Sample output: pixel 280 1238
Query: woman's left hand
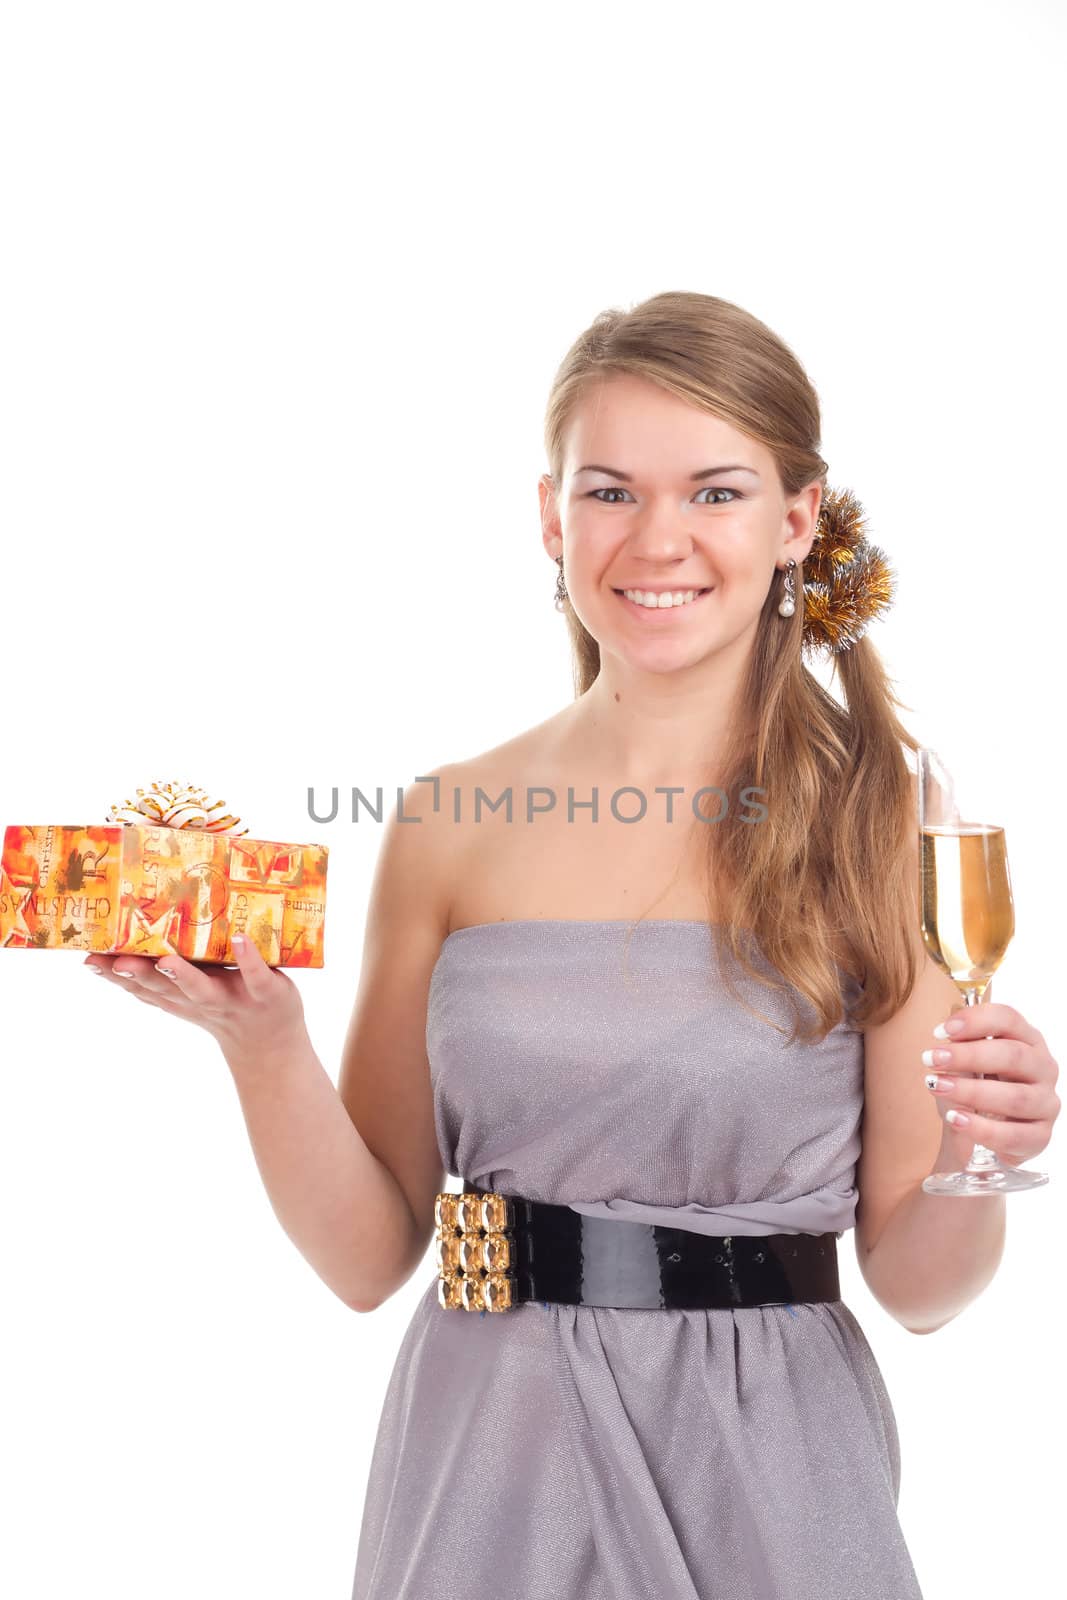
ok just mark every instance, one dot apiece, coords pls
pixel 1011 1112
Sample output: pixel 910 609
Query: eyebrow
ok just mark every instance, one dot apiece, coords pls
pixel 694 477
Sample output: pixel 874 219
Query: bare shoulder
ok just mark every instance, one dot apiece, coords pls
pixel 412 882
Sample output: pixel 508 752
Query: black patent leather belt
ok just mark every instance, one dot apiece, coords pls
pixel 497 1251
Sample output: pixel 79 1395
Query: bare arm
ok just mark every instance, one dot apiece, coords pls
pixel 341 1208
pixel 923 1257
pixel 352 1171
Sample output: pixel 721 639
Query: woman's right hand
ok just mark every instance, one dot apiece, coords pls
pixel 254 1012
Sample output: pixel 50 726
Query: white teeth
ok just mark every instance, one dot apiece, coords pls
pixel 679 597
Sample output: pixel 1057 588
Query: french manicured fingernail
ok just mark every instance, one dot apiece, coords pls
pixel 959 1118
pixel 167 973
pixel 123 973
pixel 939 1085
pixel 936 1058
pixel 953 1025
pixel 238 938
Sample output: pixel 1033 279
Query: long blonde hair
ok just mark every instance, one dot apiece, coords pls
pixel 827 879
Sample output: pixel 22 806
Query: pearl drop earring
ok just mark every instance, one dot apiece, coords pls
pixel 787 604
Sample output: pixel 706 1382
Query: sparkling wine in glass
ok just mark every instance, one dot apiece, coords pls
pixel 968 919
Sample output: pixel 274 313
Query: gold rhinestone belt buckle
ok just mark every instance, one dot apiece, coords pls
pixel 475 1251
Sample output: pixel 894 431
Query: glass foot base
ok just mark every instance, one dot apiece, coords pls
pixel 997 1180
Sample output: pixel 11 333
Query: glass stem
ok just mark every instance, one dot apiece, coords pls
pixel 982 1159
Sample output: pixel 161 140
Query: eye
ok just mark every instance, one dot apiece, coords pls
pixel 732 492
pixel 594 494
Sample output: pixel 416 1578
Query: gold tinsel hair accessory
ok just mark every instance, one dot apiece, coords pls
pixel 847 582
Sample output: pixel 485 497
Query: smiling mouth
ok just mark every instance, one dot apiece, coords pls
pixel 660 610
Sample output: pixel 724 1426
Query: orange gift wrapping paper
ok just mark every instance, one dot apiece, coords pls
pixel 154 890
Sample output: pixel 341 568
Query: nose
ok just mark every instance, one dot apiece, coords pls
pixel 659 537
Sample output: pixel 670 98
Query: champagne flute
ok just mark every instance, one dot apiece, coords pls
pixel 968 919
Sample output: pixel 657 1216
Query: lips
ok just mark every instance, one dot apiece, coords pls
pixel 675 588
pixel 663 611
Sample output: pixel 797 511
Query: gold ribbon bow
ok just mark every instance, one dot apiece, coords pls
pixel 176 805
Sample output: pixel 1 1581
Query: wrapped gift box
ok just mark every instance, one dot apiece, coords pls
pixel 153 890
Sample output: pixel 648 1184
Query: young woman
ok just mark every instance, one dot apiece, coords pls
pixel 650 975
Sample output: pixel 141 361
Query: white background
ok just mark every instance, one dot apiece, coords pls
pixel 284 288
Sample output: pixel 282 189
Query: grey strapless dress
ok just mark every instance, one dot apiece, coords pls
pixel 556 1452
